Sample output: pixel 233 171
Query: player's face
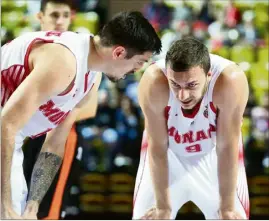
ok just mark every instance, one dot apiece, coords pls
pixel 120 66
pixel 56 17
pixel 188 86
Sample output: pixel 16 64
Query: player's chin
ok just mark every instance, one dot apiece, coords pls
pixel 189 106
pixel 111 77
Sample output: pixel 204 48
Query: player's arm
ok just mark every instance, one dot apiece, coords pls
pixel 90 106
pixel 153 94
pixel 230 96
pixel 52 152
pixel 44 81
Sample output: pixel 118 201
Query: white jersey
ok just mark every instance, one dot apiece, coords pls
pixel 14 70
pixel 194 134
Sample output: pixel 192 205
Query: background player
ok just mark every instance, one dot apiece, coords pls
pixel 193 104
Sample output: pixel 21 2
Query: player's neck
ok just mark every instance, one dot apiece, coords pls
pixel 95 58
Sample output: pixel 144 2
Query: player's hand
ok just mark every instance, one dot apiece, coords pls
pixel 231 214
pixel 30 211
pixel 155 213
pixel 9 213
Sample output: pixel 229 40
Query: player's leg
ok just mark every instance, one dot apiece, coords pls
pixel 18 184
pixel 144 195
pixel 205 187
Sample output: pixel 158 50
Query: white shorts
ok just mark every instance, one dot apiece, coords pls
pixel 190 179
pixel 18 184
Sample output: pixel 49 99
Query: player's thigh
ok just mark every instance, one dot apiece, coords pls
pixel 144 191
pixel 205 188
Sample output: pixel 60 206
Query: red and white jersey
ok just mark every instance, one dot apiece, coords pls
pixel 15 69
pixel 194 134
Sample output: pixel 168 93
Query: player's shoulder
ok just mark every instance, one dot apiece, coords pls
pixel 153 87
pixel 229 72
pixel 231 82
pixel 155 77
pixel 231 75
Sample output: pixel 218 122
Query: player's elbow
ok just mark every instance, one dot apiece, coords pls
pixel 57 148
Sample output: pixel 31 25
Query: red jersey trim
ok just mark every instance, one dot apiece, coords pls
pixel 144 150
pixel 70 87
pixel 26 57
pixel 213 108
pixel 26 62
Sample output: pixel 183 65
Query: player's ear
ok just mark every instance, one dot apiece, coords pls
pixel 119 52
pixel 209 74
pixel 39 16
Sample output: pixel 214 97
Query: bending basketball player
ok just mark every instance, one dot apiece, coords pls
pixel 193 103
pixel 55 15
pixel 46 79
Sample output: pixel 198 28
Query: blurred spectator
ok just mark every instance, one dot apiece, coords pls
pixel 178 30
pixel 257 145
pixel 200 30
pixel 218 31
pixel 206 13
pixel 105 113
pixel 260 117
pixel 131 92
pixel 167 39
pixel 247 29
pixel 129 128
pixel 233 15
pixel 94 6
pixel 183 12
pixel 158 13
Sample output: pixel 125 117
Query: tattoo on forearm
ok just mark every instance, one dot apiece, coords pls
pixel 43 174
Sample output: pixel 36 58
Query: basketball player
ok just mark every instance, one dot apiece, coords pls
pixel 46 79
pixel 193 103
pixel 54 15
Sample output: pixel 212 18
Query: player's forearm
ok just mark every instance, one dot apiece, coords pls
pixel 159 174
pixel 227 175
pixel 43 174
pixel 7 147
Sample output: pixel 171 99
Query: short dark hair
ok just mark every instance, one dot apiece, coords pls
pixel 45 2
pixel 187 53
pixel 133 31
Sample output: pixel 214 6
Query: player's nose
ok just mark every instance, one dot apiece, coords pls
pixel 60 20
pixel 183 94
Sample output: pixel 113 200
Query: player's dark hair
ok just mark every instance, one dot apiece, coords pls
pixel 187 53
pixel 45 2
pixel 132 31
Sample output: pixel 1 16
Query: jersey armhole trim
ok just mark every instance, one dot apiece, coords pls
pixel 29 48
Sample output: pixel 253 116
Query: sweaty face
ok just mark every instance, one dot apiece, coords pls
pixel 188 86
pixel 56 17
pixel 122 67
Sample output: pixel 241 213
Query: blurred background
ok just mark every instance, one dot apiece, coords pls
pixel 101 182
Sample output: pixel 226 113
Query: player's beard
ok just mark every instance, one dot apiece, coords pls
pixel 112 78
pixel 115 79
